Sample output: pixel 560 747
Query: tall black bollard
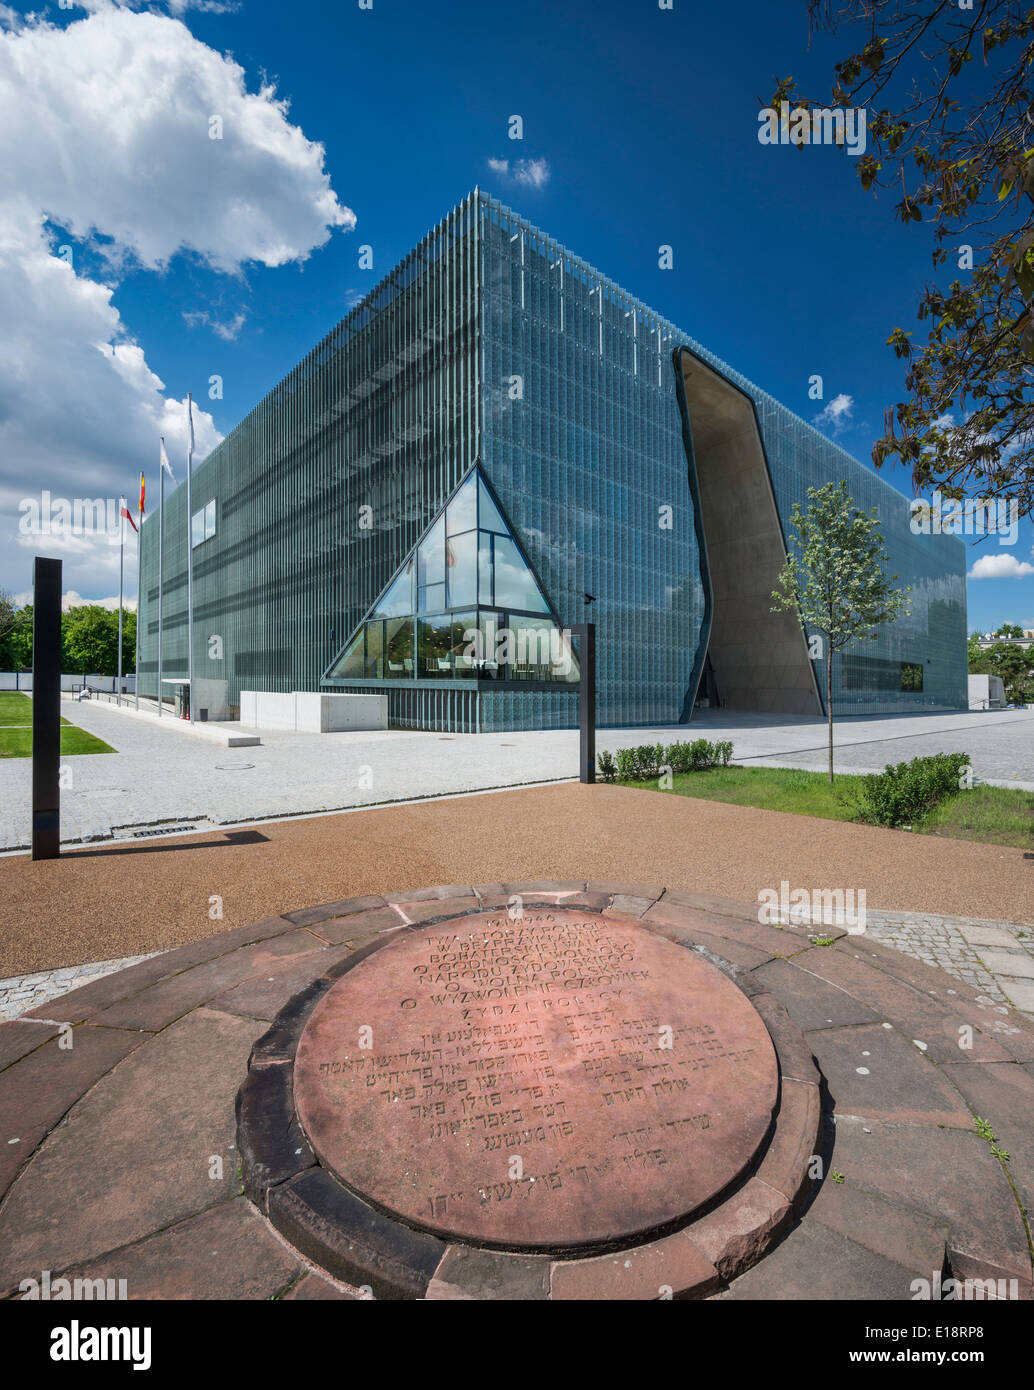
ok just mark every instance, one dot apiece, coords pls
pixel 46 709
pixel 586 632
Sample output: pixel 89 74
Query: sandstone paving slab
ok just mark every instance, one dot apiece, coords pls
pixel 337 930
pixel 90 999
pixel 905 1237
pixel 313 1288
pixel 158 1006
pixel 263 996
pixel 737 952
pixel 1004 1091
pixel 467 1272
pixel 37 1090
pixel 774 941
pixel 323 912
pixel 135 1153
pixel 811 1002
pixel 935 1022
pixel 671 1267
pixel 225 1252
pixel 950 1174
pixel 426 910
pixel 815 1262
pixel 18 1038
pixel 871 1070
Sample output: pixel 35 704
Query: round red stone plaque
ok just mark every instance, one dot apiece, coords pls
pixel 549 1082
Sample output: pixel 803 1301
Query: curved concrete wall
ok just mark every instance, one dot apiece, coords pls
pixel 759 658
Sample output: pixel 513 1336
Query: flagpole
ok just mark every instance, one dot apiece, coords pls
pixel 139 573
pixel 161 550
pixel 190 561
pixel 121 556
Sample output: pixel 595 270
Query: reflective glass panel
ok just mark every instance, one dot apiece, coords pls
pixel 398 648
pixel 538 652
pixel 461 567
pixel 489 519
pixel 515 585
pixel 431 555
pixel 461 513
pixel 432 597
pixel 434 647
pixel 374 649
pixel 465 645
pixel 484 567
pixel 398 599
pixel 350 663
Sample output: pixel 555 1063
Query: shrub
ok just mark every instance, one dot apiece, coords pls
pixel 608 768
pixel 905 792
pixel 644 763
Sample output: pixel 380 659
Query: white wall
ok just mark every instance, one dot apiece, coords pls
pixel 310 711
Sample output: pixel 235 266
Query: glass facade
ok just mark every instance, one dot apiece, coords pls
pixel 346 550
pixel 467 559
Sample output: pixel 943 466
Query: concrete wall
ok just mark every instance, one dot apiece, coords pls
pixel 22 680
pixel 760 658
pixel 313 712
pixel 986 692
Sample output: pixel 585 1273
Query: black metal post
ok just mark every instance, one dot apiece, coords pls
pixel 46 709
pixel 586 633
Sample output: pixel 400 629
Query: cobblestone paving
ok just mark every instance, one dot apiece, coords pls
pixel 24 992
pixel 963 946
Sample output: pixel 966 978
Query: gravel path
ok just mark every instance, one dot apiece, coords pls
pixel 123 900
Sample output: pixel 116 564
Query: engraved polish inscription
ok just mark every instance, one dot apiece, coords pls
pixel 552 1081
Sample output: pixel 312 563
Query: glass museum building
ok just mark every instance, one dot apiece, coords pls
pixel 498 444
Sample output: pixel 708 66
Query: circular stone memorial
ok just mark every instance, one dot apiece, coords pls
pixel 562 1081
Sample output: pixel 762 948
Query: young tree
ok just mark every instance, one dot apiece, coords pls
pixel 948 88
pixel 834 578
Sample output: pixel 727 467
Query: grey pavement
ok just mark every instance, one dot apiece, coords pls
pixel 162 777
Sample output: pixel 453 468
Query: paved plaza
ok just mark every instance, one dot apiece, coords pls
pixel 162 776
pixel 901 1146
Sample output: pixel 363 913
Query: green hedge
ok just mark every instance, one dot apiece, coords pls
pixel 649 760
pixel 905 792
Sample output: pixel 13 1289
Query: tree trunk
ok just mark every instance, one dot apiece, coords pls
pixel 829 707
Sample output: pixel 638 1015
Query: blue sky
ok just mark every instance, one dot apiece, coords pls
pixel 645 123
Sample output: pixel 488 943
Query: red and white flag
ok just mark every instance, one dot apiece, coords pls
pixel 126 513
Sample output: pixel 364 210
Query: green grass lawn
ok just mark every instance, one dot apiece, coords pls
pixel 991 815
pixel 16 731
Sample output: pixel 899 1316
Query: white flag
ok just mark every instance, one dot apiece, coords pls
pixel 165 462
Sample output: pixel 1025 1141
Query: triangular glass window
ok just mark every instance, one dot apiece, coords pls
pixel 465 605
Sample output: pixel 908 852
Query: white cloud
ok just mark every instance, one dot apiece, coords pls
pixel 532 173
pixel 104 132
pixel 1000 567
pixel 837 415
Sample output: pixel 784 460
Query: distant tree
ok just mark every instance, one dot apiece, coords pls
pixel 973 651
pixel 948 89
pixel 8 613
pixel 16 642
pixel 1013 664
pixel 834 578
pixel 1009 630
pixel 90 640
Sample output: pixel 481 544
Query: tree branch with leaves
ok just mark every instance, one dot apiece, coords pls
pixel 948 92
